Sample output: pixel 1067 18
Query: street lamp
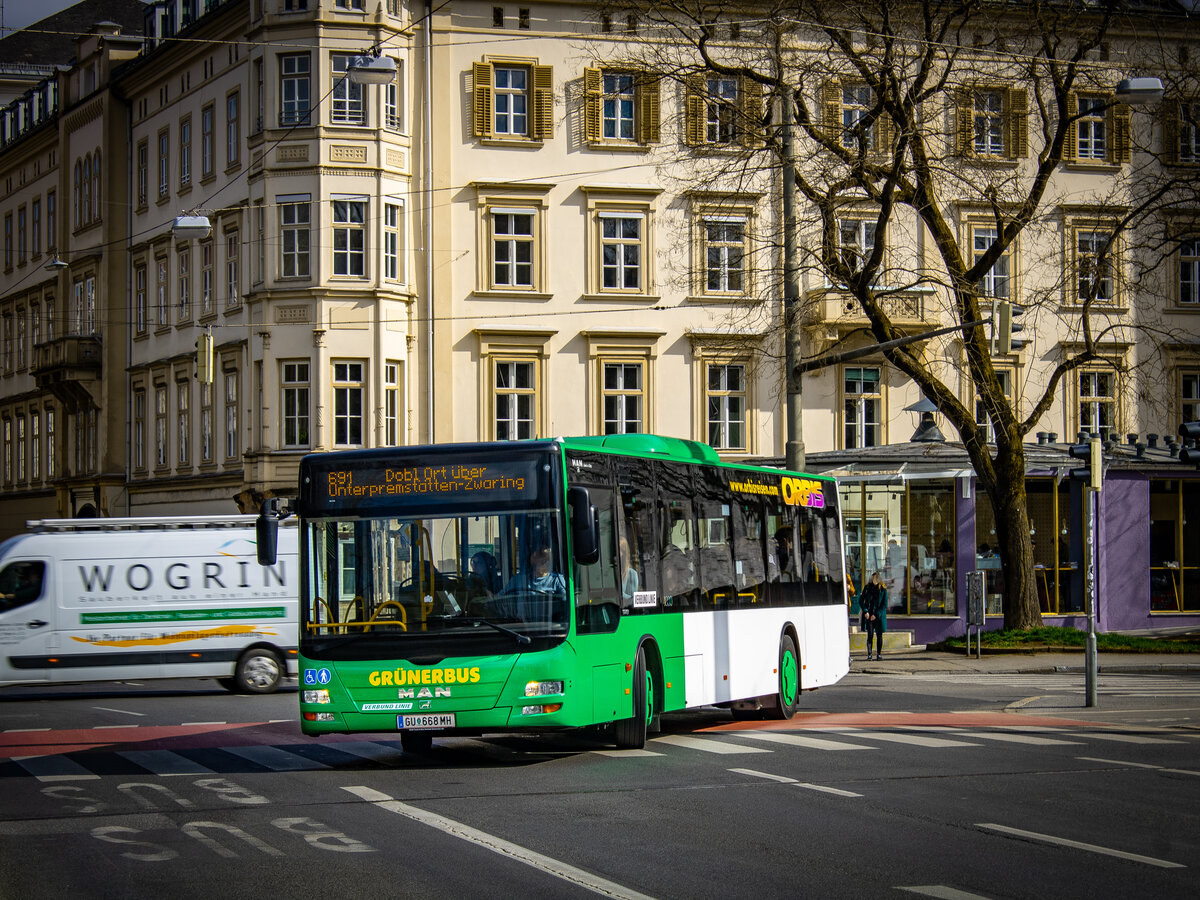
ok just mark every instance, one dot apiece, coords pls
pixel 1139 91
pixel 191 227
pixel 372 70
pixel 927 431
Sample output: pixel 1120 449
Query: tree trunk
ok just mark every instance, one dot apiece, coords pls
pixel 1011 505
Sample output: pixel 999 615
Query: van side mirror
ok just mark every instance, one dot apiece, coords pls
pixel 266 531
pixel 585 526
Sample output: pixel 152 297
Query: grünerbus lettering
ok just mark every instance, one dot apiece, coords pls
pixel 449 675
pixel 182 576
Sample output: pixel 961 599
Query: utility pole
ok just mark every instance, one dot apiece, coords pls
pixel 793 331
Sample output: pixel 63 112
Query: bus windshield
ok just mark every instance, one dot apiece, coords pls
pixel 447 576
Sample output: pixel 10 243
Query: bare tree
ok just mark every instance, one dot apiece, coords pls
pixel 922 118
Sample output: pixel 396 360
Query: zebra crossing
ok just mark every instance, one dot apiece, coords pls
pixel 350 755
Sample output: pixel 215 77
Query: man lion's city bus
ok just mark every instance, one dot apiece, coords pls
pixel 537 585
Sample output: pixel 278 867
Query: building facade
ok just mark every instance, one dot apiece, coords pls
pixel 538 227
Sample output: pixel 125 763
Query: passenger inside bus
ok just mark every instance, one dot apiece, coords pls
pixel 526 592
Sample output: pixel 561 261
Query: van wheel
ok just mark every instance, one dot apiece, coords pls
pixel 259 671
pixel 630 733
pixel 789 679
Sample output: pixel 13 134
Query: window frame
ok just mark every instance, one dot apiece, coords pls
pixel 1013 116
pixel 645 116
pixel 290 112
pixel 539 99
pixel 1114 297
pixel 740 114
pixel 348 382
pixel 295 389
pixel 1098 402
pixel 344 229
pixel 879 396
pixel 1102 108
pixel 347 100
pixel 291 233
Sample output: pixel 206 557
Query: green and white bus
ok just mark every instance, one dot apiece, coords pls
pixel 539 585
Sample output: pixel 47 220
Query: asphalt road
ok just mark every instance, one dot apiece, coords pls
pixel 912 785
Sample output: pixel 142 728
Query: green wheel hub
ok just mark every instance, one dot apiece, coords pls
pixel 789 675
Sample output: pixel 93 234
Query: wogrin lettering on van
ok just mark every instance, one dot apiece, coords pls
pixel 400 677
pixel 179 577
pixel 802 492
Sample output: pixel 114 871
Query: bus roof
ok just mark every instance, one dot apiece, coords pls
pixel 660 447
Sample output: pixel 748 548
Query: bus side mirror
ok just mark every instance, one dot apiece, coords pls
pixel 266 531
pixel 585 526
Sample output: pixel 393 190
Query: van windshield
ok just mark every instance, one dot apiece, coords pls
pixel 21 583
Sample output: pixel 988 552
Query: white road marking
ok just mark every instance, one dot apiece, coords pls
pixel 54 768
pixel 782 779
pixel 1079 845
pixel 23 730
pixel 708 745
pixel 520 854
pixel 1006 736
pixel 941 891
pixel 918 740
pixel 801 740
pixel 1123 738
pixel 103 727
pixel 826 790
pixel 1137 765
pixel 164 762
pixel 626 753
pixel 186 724
pixel 275 759
pixel 127 712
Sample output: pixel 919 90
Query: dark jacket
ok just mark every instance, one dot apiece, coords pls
pixel 873 601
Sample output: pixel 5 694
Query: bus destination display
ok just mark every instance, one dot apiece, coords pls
pixel 509 479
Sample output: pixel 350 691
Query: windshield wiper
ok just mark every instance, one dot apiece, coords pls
pixel 480 620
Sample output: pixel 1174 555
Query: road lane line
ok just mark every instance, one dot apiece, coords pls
pixel 915 739
pixel 164 763
pixel 1031 739
pixel 626 753
pixel 1137 765
pixel 941 891
pixel 826 790
pixel 1124 738
pixel 275 759
pixel 708 745
pixel 515 852
pixel 1079 845
pixel 23 730
pixel 782 779
pixel 127 712
pixel 54 768
pixel 799 740
pixel 186 724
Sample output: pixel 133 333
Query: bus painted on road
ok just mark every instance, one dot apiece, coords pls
pixel 538 585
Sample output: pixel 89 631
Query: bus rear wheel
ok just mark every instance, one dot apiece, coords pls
pixel 789 679
pixel 259 671
pixel 630 733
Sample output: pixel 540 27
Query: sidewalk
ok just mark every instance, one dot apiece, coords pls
pixel 926 662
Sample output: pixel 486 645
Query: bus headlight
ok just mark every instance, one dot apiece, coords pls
pixel 541 688
pixel 540 710
pixel 315 697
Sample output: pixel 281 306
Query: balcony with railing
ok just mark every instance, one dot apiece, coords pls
pixel 67 366
pixel 909 309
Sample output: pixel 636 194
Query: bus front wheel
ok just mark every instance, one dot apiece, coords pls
pixel 789 679
pixel 630 733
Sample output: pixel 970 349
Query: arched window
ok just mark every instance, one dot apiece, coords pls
pixel 96 181
pixel 87 190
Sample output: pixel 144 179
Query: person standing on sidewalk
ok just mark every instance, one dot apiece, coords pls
pixel 873 603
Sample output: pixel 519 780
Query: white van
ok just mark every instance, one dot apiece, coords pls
pixel 115 599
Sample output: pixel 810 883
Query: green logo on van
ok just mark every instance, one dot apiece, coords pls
pixel 183 615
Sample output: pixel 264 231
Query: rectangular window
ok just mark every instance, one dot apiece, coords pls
pixel 995 282
pixel 51 221
pixel 8 454
pixel 1189 396
pixel 139 299
pixel 725 397
pixel 857 241
pixel 233 139
pixel 391 241
pixel 1189 270
pixel 1093 259
pixel 863 404
pixel 724 255
pixel 512 249
pixel 22 237
pixel 89 306
pixel 185 152
pixel 294 238
pixel 35 446
pixel 20 449
pixel 183 260
pixel 515 400
pixel 982 419
pixel 621 251
pixel 260 98
pixel 1098 402
pixel 1091 141
pixel 143 175
pixel 160 291
pixel 260 242
pixel 160 426
pixel 347 106
pixel 206 277
pixel 392 112
pixel 231 415
pixel 621 106
pixel 720 110
pixel 139 429
pixel 348 404
pixel 857 102
pixel 35 325
pixel 989 123
pixel 8 241
pixel 51 445
pixel 207 141
pixel 349 237
pixel 206 422
pixel 35 225
pixel 391 404
pixel 1188 124
pixel 233 268
pixel 294 89
pixel 183 393
pixel 164 164
pixel 20 337
pixel 511 98
pixel 622 398
pixel 618 106
pixel 295 404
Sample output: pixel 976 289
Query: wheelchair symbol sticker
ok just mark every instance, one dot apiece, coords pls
pixel 316 676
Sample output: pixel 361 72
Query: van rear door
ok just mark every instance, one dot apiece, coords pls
pixel 27 633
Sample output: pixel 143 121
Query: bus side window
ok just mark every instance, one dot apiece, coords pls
pixel 749 568
pixel 21 583
pixel 716 553
pixel 597 598
pixel 676 553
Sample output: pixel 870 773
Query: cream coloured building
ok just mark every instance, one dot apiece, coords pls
pixel 529 232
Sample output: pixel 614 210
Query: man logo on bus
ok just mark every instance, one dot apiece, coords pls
pixel 802 492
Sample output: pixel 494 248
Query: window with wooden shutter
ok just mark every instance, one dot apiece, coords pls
pixel 1098 130
pixel 481 78
pixel 620 106
pixel 695 110
pixel 593 101
pixel 831 110
pixel 991 122
pixel 750 105
pixel 1018 123
pixel 648 103
pixel 512 100
pixel 1120 149
pixel 542 123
